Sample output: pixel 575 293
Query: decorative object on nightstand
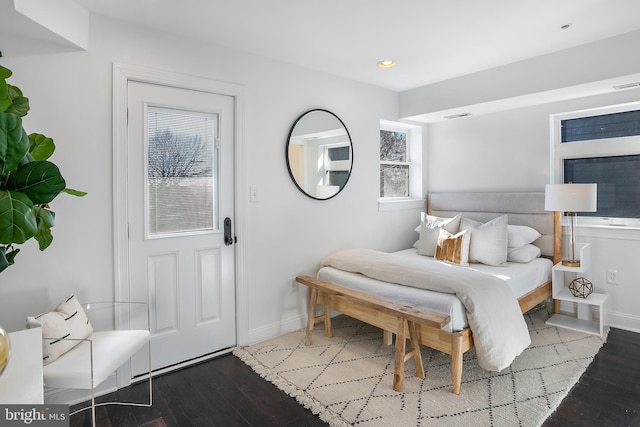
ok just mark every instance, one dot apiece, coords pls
pixel 5 349
pixel 580 287
pixel 571 198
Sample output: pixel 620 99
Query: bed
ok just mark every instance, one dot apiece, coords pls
pixel 530 281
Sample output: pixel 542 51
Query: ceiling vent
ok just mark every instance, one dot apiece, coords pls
pixel 627 86
pixel 457 116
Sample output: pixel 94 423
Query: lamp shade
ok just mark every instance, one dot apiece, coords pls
pixel 571 197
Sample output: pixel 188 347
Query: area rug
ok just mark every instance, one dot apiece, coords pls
pixel 347 380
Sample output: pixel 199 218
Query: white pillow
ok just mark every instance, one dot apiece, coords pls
pixel 453 249
pixel 468 223
pixel 520 235
pixel 489 242
pixel 430 230
pixel 61 328
pixel 523 254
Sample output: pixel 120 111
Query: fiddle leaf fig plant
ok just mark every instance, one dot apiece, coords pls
pixel 28 180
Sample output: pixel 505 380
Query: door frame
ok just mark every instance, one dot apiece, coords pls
pixel 122 75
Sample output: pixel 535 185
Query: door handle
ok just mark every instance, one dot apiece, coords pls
pixel 228 238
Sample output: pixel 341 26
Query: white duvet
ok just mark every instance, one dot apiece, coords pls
pixel 500 333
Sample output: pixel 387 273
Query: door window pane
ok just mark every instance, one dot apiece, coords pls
pixel 181 172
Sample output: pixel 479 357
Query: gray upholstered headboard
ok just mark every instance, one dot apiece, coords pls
pixel 522 209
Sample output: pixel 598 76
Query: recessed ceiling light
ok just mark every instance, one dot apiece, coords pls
pixel 457 116
pixel 627 86
pixel 387 63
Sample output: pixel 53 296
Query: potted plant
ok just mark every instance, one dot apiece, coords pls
pixel 28 180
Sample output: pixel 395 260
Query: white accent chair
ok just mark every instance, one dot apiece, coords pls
pixel 95 358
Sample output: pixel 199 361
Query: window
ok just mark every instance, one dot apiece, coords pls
pixel 181 172
pixel 618 179
pixel 400 161
pixel 614 125
pixel 601 146
pixel 394 164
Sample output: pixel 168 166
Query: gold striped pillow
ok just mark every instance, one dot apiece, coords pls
pixel 453 248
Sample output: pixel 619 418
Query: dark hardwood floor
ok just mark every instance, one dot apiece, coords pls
pixel 608 393
pixel 226 392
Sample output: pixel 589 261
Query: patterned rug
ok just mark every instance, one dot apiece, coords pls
pixel 347 380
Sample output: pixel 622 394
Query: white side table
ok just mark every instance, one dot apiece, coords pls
pixel 21 382
pixel 583 321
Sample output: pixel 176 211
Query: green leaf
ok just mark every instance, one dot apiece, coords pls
pixel 4 262
pixel 17 218
pixel 5 98
pixel 11 254
pixel 73 192
pixel 40 181
pixel 19 103
pixel 42 147
pixel 14 142
pixel 45 220
pixel 5 73
pixel 7 258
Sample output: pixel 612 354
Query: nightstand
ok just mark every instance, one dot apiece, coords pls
pixel 21 382
pixel 561 276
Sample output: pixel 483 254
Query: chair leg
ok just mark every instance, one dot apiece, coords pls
pixel 93 401
pixel 93 394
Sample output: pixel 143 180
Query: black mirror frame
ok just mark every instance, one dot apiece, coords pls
pixel 286 151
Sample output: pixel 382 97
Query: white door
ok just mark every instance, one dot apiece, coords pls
pixel 180 194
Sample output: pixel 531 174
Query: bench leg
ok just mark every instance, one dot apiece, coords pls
pixel 326 308
pixel 387 337
pixel 456 361
pixel 401 343
pixel 311 318
pixel 415 350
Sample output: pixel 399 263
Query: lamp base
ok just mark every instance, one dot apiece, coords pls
pixel 571 262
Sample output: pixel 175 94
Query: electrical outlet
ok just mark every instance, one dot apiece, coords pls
pixel 294 285
pixel 612 276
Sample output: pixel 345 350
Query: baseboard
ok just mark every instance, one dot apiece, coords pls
pixel 275 329
pixel 628 322
pixel 74 396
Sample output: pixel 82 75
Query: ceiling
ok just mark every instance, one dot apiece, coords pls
pixel 430 40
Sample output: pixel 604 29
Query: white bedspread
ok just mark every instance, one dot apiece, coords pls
pixel 500 333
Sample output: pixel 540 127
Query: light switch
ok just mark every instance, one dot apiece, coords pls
pixel 254 197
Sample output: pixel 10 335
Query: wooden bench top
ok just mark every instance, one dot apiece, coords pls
pixel 412 314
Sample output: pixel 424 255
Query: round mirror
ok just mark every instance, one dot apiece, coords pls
pixel 319 154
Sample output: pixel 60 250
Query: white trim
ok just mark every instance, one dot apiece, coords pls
pixel 275 329
pixel 122 74
pixel 401 204
pixel 600 228
pixel 624 321
pixel 590 148
pixel 415 135
pixel 606 232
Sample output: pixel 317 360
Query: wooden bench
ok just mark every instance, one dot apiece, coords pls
pixel 391 317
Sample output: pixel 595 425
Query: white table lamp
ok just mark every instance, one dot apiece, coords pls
pixel 571 198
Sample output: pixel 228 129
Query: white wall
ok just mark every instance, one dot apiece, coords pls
pixel 510 151
pixel 286 233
